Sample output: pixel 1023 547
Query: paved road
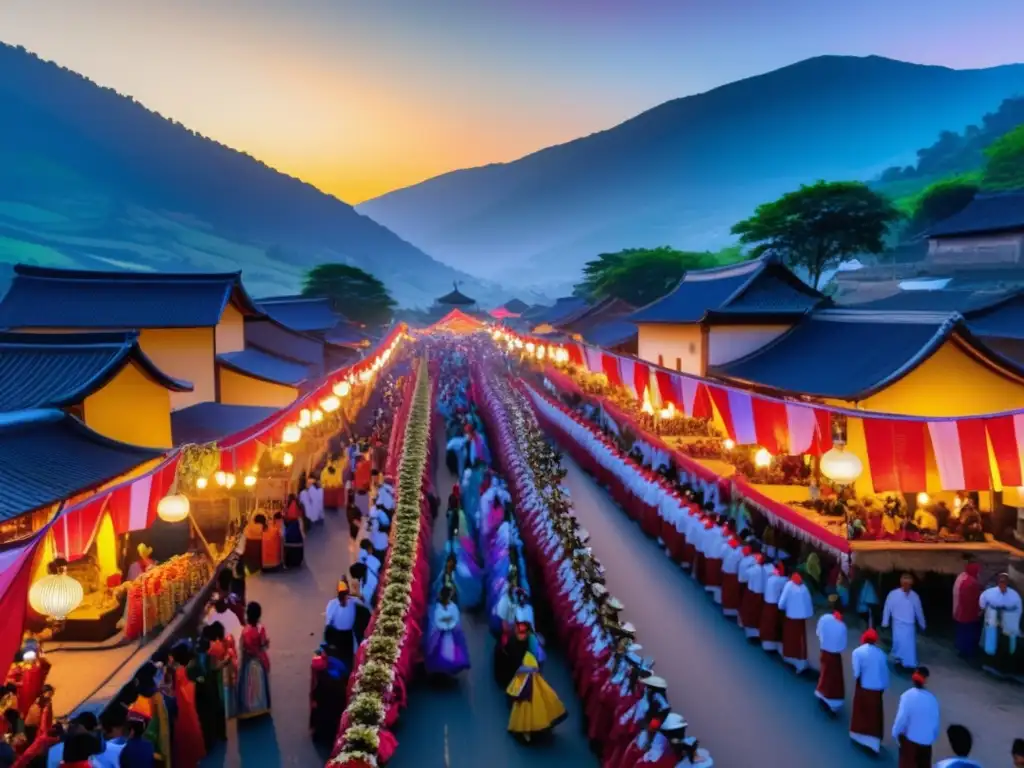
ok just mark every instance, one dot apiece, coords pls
pixel 473 713
pixel 743 704
pixel 293 612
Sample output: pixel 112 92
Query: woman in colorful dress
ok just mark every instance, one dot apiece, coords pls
pixel 462 576
pixel 254 673
pixel 208 675
pixel 151 707
pixel 224 655
pixel 536 707
pixel 188 742
pixel 446 652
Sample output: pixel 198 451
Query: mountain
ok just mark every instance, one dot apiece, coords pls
pixel 684 172
pixel 91 178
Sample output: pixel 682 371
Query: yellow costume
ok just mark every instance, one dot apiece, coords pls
pixel 536 706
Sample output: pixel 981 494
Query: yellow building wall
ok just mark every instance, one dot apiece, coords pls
pixel 238 389
pixel 184 353
pixel 672 342
pixel 731 342
pixel 131 408
pixel 230 331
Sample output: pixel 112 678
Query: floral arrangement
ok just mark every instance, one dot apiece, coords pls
pixel 155 597
pixel 373 686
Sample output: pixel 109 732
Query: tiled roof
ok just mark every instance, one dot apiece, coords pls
pixel 210 422
pixel 43 370
pixel 562 309
pixel 611 308
pixel 516 306
pixel 1003 320
pixel 610 333
pixel 263 365
pixel 996 212
pixel 346 335
pixel 850 354
pixel 962 301
pixel 47 456
pixel 456 298
pixel 301 313
pixel 41 297
pixel 758 287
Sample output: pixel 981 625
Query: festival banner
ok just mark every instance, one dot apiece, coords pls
pixel 961 454
pixel 1006 434
pixel 897 454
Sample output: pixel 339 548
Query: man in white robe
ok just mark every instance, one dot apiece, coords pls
pixel 916 726
pixel 831 632
pixel 771 638
pixel 796 606
pixel 871 676
pixel 1002 610
pixel 904 612
pixel 315 512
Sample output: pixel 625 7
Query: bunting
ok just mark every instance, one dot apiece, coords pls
pixel 1006 433
pixel 897 454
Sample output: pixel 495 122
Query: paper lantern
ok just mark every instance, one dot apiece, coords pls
pixel 530 346
pixel 841 467
pixel 173 508
pixel 305 418
pixel 318 416
pixel 728 444
pixel 56 595
pixel 342 388
pixel 287 459
pixel 762 458
pixel 230 480
pixel 496 335
pixel 922 499
pixel 330 404
pixel 201 483
pixel 540 352
pixel 291 434
pixel 366 375
pixel 220 477
pixel 249 481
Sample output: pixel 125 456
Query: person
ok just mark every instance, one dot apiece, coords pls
pixel 15 735
pixel 228 619
pixel 368 558
pixel 327 697
pixel 254 673
pixel 143 562
pixel 871 678
pixel 78 749
pixel 224 654
pixel 151 706
pixel 445 652
pixel 1002 607
pixel 903 610
pixel 206 673
pixel 252 555
pixel 361 484
pixel 111 739
pixel 509 652
pixel 354 517
pixel 40 715
pixel 223 592
pixel 796 607
pixel 273 541
pixel 960 741
pixel 753 598
pixel 292 509
pixel 306 502
pixel 831 632
pixel 536 708
pixel 339 624
pixel 916 726
pixel 294 544
pixel 769 630
pixel 365 582
pixel 1017 753
pixel 379 531
pixel 238 585
pixel 316 500
pixel 967 611
pixel 137 752
pixel 188 743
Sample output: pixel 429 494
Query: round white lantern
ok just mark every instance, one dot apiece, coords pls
pixel 318 416
pixel 173 508
pixel 330 404
pixel 342 388
pixel 56 595
pixel 291 434
pixel 305 417
pixel 841 467
pixel 249 481
pixel 287 459
pixel 762 458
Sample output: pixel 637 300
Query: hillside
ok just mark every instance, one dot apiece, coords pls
pixel 684 172
pixel 91 178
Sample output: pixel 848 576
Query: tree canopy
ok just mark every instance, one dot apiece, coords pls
pixel 642 275
pixel 941 200
pixel 357 294
pixel 1005 167
pixel 819 225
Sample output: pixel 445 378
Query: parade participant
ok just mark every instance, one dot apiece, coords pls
pixel 961 742
pixel 221 614
pixel 796 607
pixel 327 696
pixel 294 544
pixel 730 578
pixel 903 609
pixel 361 485
pixel 509 652
pixel 1002 607
pixel 652 705
pixel 143 562
pixel 223 655
pixel 340 622
pixel 753 598
pixel 315 510
pixel 273 544
pixel 743 569
pixel 254 674
pixel 151 706
pixel 40 715
pixel 366 581
pixel 536 707
pixel 714 549
pixel 252 555
pixel 967 613
pixel 138 752
pixel 368 558
pixel 187 733
pixel 831 632
pixel 916 726
pixel 224 593
pixel 379 531
pixel 871 677
pixel 445 651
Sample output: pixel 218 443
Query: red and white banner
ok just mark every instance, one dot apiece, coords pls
pixel 1006 434
pixel 595 363
pixel 627 374
pixel 961 454
pixel 897 454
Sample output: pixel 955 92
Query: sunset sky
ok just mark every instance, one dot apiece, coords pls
pixel 360 97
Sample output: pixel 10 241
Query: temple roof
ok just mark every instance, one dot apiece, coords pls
pixel 760 289
pixel 996 212
pixel 610 333
pixel 42 297
pixel 47 456
pixel 302 313
pixel 562 309
pixel 456 298
pixel 963 301
pixel 44 370
pixel 516 306
pixel 264 366
pixel 850 354
pixel 611 308
pixel 210 422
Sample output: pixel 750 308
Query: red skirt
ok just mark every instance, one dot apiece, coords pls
pixel 713 572
pixel 750 609
pixel 794 639
pixel 914 755
pixel 868 716
pixel 730 594
pixel 699 567
pixel 689 553
pixel 831 687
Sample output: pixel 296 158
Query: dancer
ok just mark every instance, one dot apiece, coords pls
pixel 254 676
pixel 188 738
pixel 536 707
pixel 916 726
pixel 445 651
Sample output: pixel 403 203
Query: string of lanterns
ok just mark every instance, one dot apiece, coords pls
pixel 556 354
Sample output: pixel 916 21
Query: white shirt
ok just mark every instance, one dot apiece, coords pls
pixel 903 607
pixel 306 500
pixel 831 634
pixel 917 718
pixel 341 617
pixel 795 601
pixel 371 561
pixel 731 560
pixel 316 496
pixel 110 757
pixel 1008 618
pixel 228 620
pixel 870 667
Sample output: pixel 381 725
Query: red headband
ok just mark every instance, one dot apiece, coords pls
pixel 918 678
pixel 838 615
pixel 797 579
pixel 746 551
pixel 869 636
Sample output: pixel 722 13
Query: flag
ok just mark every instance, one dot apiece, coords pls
pixel 1006 433
pixel 897 454
pixel 961 454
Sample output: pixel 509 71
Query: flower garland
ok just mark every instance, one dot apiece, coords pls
pixel 374 680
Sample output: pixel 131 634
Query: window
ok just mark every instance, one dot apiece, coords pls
pixel 679 363
pixel 661 361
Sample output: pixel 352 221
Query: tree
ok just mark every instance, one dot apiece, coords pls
pixel 358 295
pixel 942 200
pixel 639 276
pixel 819 225
pixel 1005 167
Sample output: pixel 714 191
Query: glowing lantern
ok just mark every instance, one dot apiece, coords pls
pixel 728 444
pixel 496 335
pixel 530 346
pixel 287 459
pixel 384 356
pixel 173 508
pixel 220 478
pixel 540 352
pixel 249 481
pixel 305 418
pixel 366 375
pixel 519 343
pixel 57 594
pixel 229 480
pixel 330 404
pixel 201 483
pixel 840 467
pixel 318 416
pixel 668 412
pixel 291 434
pixel 922 499
pixel 762 459
pixel 342 388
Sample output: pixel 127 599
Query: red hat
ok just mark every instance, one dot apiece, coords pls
pixel 747 550
pixel 734 542
pixel 780 569
pixel 759 559
pixel 709 524
pixel 797 579
pixel 869 636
